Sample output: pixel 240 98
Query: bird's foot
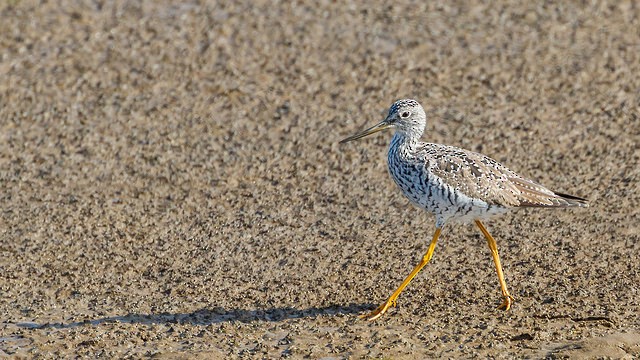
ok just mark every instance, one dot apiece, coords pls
pixel 506 303
pixel 379 311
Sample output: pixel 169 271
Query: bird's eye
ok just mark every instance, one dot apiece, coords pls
pixel 405 114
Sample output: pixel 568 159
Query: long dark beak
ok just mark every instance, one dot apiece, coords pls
pixel 372 130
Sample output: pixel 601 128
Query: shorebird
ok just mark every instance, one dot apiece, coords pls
pixel 455 184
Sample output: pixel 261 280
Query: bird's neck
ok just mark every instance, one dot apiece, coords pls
pixel 402 144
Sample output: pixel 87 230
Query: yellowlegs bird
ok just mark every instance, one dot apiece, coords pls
pixel 454 184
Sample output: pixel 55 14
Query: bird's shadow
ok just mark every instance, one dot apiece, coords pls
pixel 206 317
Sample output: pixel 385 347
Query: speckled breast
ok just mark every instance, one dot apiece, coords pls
pixel 429 192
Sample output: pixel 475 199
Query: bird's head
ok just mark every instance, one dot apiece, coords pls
pixel 406 116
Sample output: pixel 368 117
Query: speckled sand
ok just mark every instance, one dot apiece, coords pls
pixel 171 183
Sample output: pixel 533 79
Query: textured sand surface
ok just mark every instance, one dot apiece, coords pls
pixel 172 186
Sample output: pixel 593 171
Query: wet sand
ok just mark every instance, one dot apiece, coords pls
pixel 173 187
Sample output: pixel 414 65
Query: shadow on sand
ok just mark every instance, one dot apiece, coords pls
pixel 210 316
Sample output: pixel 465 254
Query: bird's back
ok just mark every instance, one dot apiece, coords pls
pixel 457 183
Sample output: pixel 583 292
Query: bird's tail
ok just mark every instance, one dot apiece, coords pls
pixel 570 200
pixel 536 195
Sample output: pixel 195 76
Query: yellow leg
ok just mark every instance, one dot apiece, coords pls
pixel 392 300
pixel 508 299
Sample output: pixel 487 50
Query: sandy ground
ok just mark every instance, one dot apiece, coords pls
pixel 172 186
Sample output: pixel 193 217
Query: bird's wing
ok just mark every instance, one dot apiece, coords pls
pixel 478 176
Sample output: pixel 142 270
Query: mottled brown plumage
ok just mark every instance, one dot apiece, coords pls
pixel 481 177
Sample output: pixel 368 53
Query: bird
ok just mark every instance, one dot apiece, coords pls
pixel 456 185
